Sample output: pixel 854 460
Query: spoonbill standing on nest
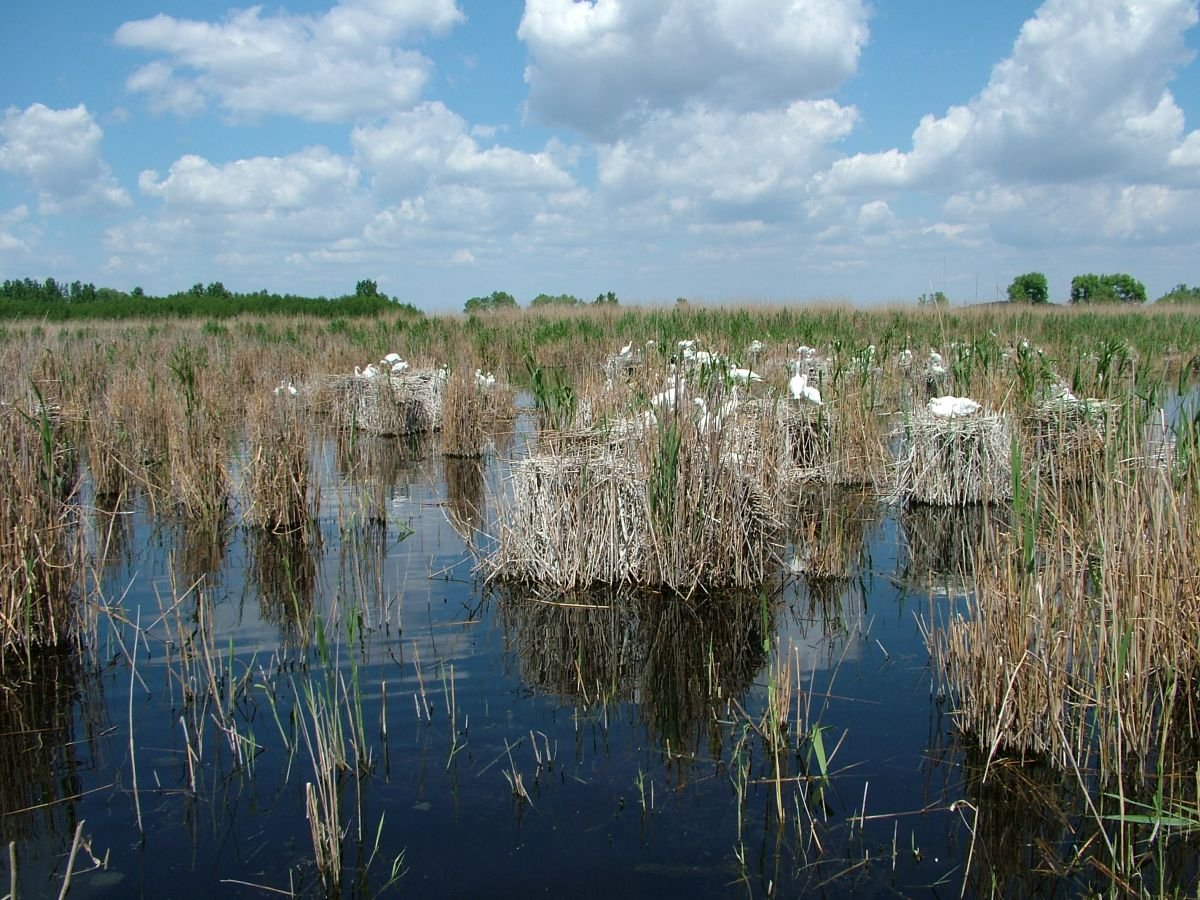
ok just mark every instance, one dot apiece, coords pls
pixel 286 389
pixel 953 407
pixel 798 385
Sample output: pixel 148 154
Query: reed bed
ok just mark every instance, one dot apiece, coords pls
pixel 282 495
pixel 1084 652
pixel 953 461
pixel 463 431
pixel 41 548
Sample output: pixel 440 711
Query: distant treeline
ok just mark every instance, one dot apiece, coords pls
pixel 56 301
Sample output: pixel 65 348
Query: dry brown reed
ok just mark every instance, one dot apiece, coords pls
pixel 282 494
pixel 41 547
pixel 1080 647
pixel 953 461
pixel 463 427
pixel 199 442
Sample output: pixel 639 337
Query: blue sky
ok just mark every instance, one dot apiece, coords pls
pixel 726 150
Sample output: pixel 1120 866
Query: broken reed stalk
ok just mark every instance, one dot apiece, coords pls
pixel 41 547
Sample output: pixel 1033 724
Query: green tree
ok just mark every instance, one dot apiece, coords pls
pixel 495 301
pixel 605 299
pixel 937 298
pixel 1181 293
pixel 366 288
pixel 1119 288
pixel 1029 288
pixel 555 300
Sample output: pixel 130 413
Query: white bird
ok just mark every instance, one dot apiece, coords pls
pixel 286 389
pixel 743 375
pixel 686 345
pixel 666 398
pixel 953 407
pixel 905 358
pixel 485 381
pixel 798 385
pixel 391 359
pixel 371 371
pixel 756 347
pixel 626 350
pixel 399 366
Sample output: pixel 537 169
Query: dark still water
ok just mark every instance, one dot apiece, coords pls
pixel 487 743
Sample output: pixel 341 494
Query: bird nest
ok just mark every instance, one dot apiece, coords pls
pixel 676 518
pixel 954 461
pixel 401 403
pixel 1065 437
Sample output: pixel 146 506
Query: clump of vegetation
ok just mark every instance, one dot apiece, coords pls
pixel 1119 288
pixel 40 553
pixel 493 302
pixel 1029 288
pixel 1181 293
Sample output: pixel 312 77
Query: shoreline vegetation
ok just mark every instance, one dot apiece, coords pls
pixel 670 451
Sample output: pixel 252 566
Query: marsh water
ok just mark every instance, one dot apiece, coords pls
pixel 498 743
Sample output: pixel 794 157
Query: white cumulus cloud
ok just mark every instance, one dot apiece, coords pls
pixel 312 177
pixel 433 145
pixel 56 152
pixel 1082 96
pixel 598 65
pixel 336 67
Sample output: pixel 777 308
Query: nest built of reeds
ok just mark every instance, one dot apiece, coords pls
pixel 396 404
pixel 953 461
pixel 674 515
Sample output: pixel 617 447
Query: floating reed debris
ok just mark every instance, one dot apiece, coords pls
pixel 954 461
pixel 41 547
